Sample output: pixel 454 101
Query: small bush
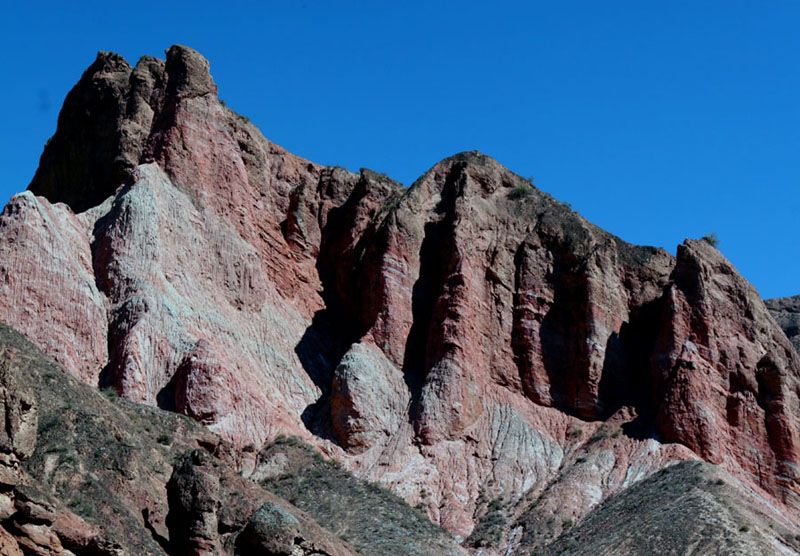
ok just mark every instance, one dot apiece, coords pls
pixel 602 432
pixel 489 529
pixel 575 433
pixel 110 394
pixel 283 440
pixel 520 191
pixel 164 439
pixel 82 506
pixel 711 239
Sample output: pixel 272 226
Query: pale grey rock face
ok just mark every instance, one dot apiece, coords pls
pixel 368 400
pixel 185 291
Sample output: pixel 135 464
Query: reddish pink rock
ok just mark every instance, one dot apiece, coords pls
pixel 8 544
pixel 464 340
pixel 727 376
pixel 47 285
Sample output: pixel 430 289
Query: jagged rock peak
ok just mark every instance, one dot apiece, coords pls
pixel 107 119
pixel 107 62
pixel 188 73
pixel 468 162
pixel 474 175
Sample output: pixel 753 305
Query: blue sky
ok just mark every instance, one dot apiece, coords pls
pixel 656 120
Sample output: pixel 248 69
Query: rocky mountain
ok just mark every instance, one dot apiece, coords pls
pixel 469 342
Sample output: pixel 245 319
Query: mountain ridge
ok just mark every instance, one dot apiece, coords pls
pixel 466 340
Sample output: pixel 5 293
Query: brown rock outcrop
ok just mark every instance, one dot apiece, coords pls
pixel 213 511
pixel 470 341
pixel 19 418
pixel 786 312
pixel 271 530
pixel 194 500
pixel 8 544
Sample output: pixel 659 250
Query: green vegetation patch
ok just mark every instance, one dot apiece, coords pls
pixel 366 515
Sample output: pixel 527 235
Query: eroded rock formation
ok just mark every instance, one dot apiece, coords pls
pixel 470 342
pixel 85 473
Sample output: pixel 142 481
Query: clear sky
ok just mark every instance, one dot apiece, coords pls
pixel 657 120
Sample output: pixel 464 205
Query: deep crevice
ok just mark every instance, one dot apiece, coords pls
pixel 335 327
pixel 100 258
pixel 162 541
pixel 435 255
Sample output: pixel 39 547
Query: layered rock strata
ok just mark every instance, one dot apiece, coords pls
pixel 467 340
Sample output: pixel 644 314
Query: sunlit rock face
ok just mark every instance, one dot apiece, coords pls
pixel 465 340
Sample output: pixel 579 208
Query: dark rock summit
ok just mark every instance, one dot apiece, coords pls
pixel 107 119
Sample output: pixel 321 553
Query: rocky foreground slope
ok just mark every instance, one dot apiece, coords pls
pixel 700 509
pixel 469 342
pixel 85 473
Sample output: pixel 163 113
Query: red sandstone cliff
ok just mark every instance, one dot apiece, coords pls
pixel 465 340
